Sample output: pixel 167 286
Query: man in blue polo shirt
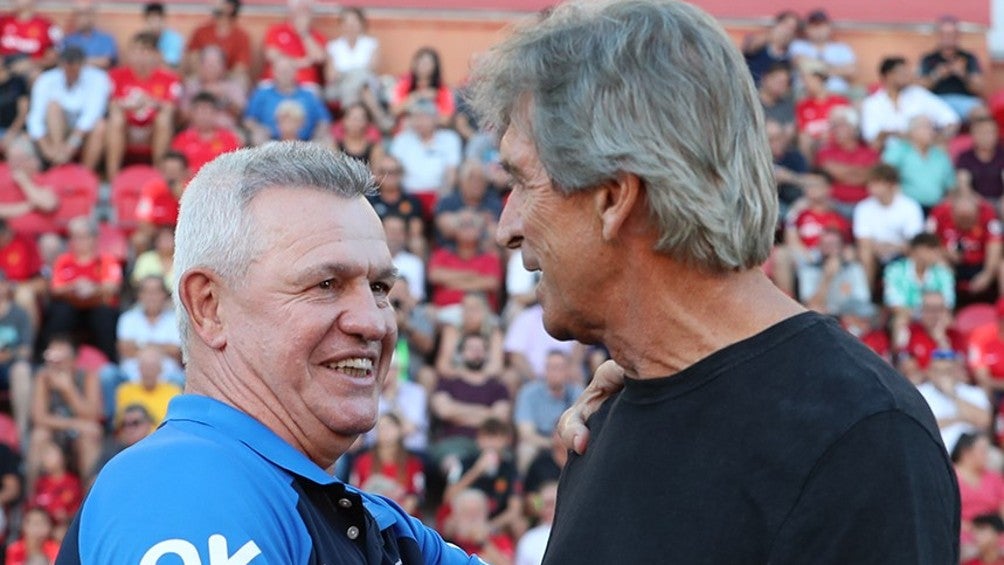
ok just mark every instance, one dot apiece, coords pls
pixel 281 289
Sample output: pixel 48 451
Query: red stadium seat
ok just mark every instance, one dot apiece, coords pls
pixel 77 189
pixel 90 359
pixel 112 241
pixel 973 316
pixel 126 192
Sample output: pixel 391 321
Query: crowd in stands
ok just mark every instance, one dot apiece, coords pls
pixel 890 195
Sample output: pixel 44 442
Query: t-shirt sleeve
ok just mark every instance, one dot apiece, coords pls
pixel 883 493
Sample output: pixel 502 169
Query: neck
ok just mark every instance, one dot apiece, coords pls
pixel 467 249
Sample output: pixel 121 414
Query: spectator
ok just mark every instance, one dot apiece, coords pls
pixel 980 169
pixel 986 353
pixel 889 110
pixel 846 159
pixel 170 44
pixel 472 194
pixel 959 407
pixel 812 113
pixel 531 546
pixel 776 97
pixel 134 424
pixel 65 410
pixel 923 269
pixel 986 539
pixel 462 404
pixel 805 224
pixel 832 277
pixel 475 318
pixel 58 491
pixel 152 391
pixel 971 234
pixel 392 200
pixel 981 487
pixel 352 60
pixel 85 288
pixel 100 49
pixel 290 118
pixel 16 340
pixel 465 268
pixel 142 108
pixel 545 468
pixel 540 403
pixel 424 83
pixel 930 331
pixel 211 76
pixel 204 139
pixel 885 221
pixel 157 207
pixel 25 170
pixel 761 50
pixel 36 545
pixel 356 136
pixel 429 154
pixel 299 42
pixel 409 266
pixel 30 38
pixel 925 170
pixel 260 116
pixel 14 102
pixel 21 266
pixel 951 72
pixel 416 337
pixel 408 402
pixel 224 33
pixel 401 474
pixel 492 470
pixel 527 345
pixel 468 527
pixel 67 111
pixel 837 57
pixel 789 165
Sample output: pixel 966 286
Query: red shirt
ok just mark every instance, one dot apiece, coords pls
pixel 200 150
pixel 444 97
pixel 810 225
pixel 484 264
pixel 286 40
pixel 812 116
pixel 162 85
pixel 157 204
pixel 236 46
pixel 986 350
pixel 59 496
pixel 501 542
pixel 101 269
pixel 878 341
pixel 17 552
pixel 921 345
pixel 971 243
pixel 27 37
pixel 19 259
pixel 411 478
pixel 985 497
pixel 861 156
pixel 979 561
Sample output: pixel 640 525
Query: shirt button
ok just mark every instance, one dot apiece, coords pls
pixel 345 503
pixel 352 532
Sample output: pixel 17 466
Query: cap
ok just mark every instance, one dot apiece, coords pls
pixel 817 17
pixel 424 106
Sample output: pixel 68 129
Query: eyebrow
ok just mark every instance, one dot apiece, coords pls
pixel 343 270
pixel 511 169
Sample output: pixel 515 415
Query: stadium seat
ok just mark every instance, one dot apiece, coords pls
pixel 112 240
pixel 126 192
pixel 973 316
pixel 77 189
pixel 90 358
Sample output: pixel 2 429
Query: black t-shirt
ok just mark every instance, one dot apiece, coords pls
pixel 499 486
pixel 11 90
pixel 543 469
pixel 951 84
pixel 986 175
pixel 407 207
pixel 797 445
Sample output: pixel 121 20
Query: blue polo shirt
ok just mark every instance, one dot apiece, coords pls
pixel 214 486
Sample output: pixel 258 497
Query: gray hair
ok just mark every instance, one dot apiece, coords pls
pixel 214 231
pixel 656 89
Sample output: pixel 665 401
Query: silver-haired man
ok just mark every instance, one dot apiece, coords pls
pixel 748 430
pixel 281 289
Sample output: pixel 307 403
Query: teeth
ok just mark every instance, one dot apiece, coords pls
pixel 357 363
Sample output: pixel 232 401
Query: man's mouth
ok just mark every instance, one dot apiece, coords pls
pixel 359 367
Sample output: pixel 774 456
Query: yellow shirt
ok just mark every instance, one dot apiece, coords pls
pixel 155 401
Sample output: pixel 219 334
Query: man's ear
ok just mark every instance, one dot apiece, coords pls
pixel 200 293
pixel 616 202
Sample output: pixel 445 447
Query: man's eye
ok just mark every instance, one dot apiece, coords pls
pixel 380 287
pixel 327 285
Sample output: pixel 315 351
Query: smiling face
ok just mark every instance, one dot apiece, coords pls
pixel 558 235
pixel 311 323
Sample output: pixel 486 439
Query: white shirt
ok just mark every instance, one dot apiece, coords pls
pixel 347 58
pixel 526 336
pixel 833 53
pixel 879 113
pixel 896 223
pixel 412 269
pixel 530 549
pixel 85 102
pixel 134 326
pixel 425 164
pixel 944 407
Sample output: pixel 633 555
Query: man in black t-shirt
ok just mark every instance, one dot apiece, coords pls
pixel 748 429
pixel 951 72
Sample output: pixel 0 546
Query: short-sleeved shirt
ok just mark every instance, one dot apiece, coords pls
pixel 924 177
pixel 986 350
pixel 161 85
pixel 896 223
pixel 950 84
pixel 971 244
pixel 985 497
pixel 200 150
pixel 536 405
pixel 812 116
pixel 155 400
pixel 96 43
pixel 483 394
pixel 904 289
pixel 861 156
pixel 134 326
pixel 20 260
pixel 921 345
pixel 265 99
pixel 284 37
pixel 236 46
pixel 833 53
pixel 497 486
pixel 986 176
pixel 157 203
pixel 485 264
pixel 224 483
pixel 32 37
pixel 445 101
pixel 408 206
pixel 426 162
pixel 101 269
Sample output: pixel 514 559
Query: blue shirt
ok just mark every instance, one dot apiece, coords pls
pixel 213 485
pixel 95 44
pixel 265 99
pixel 925 178
pixel 171 46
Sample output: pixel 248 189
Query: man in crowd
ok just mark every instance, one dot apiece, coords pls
pixel 98 46
pixel 29 37
pixel 889 110
pixel 223 31
pixel 951 72
pixel 649 217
